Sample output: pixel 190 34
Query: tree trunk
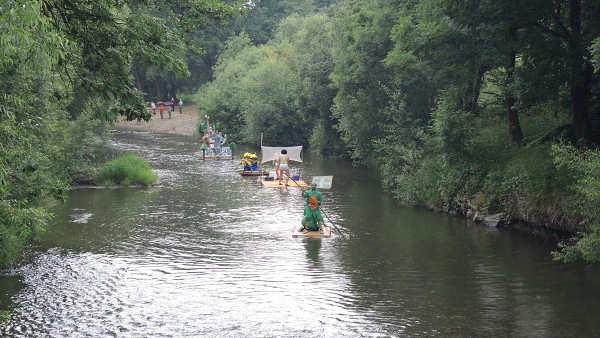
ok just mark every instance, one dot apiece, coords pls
pixel 158 93
pixel 477 90
pixel 580 77
pixel 512 114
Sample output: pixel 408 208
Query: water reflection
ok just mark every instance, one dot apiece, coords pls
pixel 313 247
pixel 210 253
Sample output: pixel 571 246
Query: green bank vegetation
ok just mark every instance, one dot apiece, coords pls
pixel 127 170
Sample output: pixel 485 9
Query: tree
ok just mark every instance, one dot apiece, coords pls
pixel 359 76
pixel 576 23
pixel 309 39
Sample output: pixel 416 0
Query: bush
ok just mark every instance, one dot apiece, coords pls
pixel 585 167
pixel 20 223
pixel 127 170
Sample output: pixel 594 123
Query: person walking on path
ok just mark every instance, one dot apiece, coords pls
pixel 153 106
pixel 161 110
pixel 180 106
pixel 172 104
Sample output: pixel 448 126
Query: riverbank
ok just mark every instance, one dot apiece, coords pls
pixel 180 124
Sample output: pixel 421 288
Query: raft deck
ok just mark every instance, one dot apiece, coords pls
pixel 275 184
pixel 312 234
pixel 254 173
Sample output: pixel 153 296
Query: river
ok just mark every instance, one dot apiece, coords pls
pixel 208 253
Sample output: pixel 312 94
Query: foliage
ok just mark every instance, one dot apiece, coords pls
pixel 585 201
pixel 127 170
pixel 268 103
pixel 359 77
pixel 4 317
pixel 309 40
pixel 220 99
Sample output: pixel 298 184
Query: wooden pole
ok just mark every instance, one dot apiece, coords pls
pixel 320 209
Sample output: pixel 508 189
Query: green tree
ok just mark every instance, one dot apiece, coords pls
pixel 268 101
pixel 359 77
pixel 310 39
pixel 221 98
pixel 29 119
pixel 575 24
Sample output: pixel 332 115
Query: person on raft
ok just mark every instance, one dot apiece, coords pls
pixel 313 220
pixel 284 167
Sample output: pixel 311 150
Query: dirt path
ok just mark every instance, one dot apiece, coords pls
pixel 182 124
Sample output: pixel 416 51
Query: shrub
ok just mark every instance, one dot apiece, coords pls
pixel 127 170
pixel 585 167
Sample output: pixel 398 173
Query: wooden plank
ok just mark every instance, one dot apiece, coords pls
pixel 254 173
pixel 275 184
pixel 312 234
pixel 223 157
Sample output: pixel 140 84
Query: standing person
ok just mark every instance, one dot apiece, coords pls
pixel 313 220
pixel 180 106
pixel 218 140
pixel 283 164
pixel 172 104
pixel 162 110
pixel 153 106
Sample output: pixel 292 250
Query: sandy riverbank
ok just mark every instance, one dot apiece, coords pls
pixel 182 124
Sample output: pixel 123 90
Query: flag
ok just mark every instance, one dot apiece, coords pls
pixel 323 182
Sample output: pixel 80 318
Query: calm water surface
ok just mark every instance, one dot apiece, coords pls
pixel 208 253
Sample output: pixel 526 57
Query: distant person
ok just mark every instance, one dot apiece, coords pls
pixel 153 106
pixel 161 110
pixel 172 104
pixel 312 220
pixel 284 167
pixel 180 106
pixel 218 143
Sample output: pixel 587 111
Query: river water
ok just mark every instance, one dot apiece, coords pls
pixel 208 253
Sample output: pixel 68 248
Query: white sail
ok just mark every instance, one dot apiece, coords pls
pixel 272 153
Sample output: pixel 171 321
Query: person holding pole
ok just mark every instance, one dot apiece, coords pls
pixel 313 220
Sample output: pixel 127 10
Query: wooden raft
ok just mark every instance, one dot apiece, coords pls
pixel 254 173
pixel 275 184
pixel 312 234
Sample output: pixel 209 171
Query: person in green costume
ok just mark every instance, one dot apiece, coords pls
pixel 312 220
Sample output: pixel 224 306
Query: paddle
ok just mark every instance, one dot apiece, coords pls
pixel 320 209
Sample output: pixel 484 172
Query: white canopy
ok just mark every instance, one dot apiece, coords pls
pixel 272 153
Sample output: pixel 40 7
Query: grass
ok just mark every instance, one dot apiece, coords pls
pixel 127 170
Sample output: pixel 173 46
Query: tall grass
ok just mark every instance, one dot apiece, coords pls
pixel 127 170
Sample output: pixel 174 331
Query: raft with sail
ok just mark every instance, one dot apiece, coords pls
pixel 271 154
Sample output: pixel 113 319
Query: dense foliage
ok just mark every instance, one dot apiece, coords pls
pixel 68 70
pixel 458 103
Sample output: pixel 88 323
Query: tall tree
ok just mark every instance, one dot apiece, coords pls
pixel 359 76
pixel 576 23
pixel 310 39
